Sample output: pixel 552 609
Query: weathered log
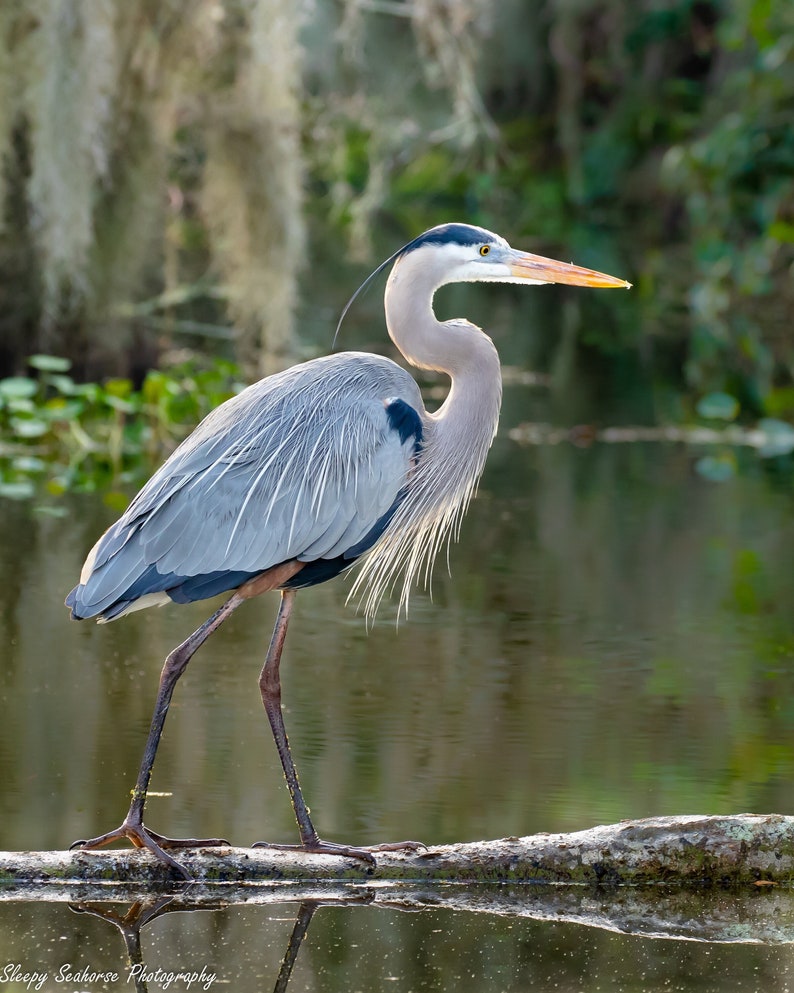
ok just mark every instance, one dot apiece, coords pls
pixel 744 849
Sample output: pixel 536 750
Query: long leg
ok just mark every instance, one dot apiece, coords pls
pixel 270 687
pixel 132 827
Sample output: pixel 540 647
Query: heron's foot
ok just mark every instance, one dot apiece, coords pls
pixel 133 830
pixel 319 847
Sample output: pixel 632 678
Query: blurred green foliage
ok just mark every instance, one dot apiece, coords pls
pixel 736 179
pixel 656 143
pixel 85 436
pixel 651 139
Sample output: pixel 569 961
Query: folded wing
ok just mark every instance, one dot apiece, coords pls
pixel 308 464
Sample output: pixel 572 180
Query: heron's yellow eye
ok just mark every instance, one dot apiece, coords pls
pixel 484 249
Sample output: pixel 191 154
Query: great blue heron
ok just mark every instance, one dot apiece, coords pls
pixel 289 483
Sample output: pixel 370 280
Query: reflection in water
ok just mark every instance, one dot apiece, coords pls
pixel 305 913
pixel 141 913
pixel 129 925
pixel 521 938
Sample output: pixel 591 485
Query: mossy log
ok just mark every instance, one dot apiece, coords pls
pixel 695 851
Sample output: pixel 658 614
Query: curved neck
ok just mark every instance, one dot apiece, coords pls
pixel 458 434
pixel 458 348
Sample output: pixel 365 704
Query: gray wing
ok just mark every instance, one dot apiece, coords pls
pixel 299 466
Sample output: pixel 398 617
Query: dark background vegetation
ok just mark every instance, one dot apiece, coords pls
pixel 211 179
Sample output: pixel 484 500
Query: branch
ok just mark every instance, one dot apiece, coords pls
pixel 744 849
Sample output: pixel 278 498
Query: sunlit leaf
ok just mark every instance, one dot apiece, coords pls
pixel 21 405
pixel 118 387
pixel 90 391
pixel 28 427
pixel 153 386
pixel 28 463
pixel 50 363
pixel 117 403
pixel 719 406
pixel 18 386
pixel 63 384
pixel 59 409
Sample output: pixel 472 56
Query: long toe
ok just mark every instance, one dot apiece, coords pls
pixel 319 847
pixel 120 834
pixel 397 846
pixel 164 842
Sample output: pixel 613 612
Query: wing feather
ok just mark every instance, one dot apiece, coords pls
pixel 301 465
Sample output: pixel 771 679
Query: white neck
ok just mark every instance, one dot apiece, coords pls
pixel 457 437
pixel 458 348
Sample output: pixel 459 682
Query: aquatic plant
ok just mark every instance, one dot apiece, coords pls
pixel 87 436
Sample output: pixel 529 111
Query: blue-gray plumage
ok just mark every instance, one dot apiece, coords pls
pixel 309 464
pixel 307 471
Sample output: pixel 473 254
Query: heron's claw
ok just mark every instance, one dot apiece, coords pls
pixel 141 837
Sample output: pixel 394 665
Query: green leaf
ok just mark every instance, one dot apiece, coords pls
pixel 21 405
pixel 57 487
pixel 718 406
pixel 59 409
pixel 124 406
pixel 28 463
pixel 50 363
pixel 63 384
pixel 16 387
pixel 118 387
pixel 28 427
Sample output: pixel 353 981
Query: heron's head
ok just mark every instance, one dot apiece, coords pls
pixel 460 253
pixel 457 253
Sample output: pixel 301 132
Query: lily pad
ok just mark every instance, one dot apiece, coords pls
pixel 718 406
pixel 28 427
pixel 49 363
pixel 15 387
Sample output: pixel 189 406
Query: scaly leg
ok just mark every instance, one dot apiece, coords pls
pixel 270 687
pixel 132 827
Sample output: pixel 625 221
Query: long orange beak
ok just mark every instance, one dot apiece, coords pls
pixel 536 267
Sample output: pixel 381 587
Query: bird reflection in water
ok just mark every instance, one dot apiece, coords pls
pixel 144 912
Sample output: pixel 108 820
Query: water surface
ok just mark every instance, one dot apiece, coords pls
pixel 615 640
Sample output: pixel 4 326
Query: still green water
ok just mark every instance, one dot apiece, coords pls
pixel 615 640
pixel 364 949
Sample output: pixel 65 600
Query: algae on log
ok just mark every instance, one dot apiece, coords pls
pixel 690 850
